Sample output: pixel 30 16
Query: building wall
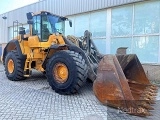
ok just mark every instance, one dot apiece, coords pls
pixel 0 49
pixel 152 72
pixel 60 7
pixel 136 26
pixel 113 23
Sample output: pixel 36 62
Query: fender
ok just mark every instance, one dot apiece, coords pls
pixel 13 45
pixel 53 47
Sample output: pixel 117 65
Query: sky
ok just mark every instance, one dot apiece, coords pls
pixel 8 5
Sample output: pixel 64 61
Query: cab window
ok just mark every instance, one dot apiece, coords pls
pixel 36 30
pixel 46 28
pixel 41 27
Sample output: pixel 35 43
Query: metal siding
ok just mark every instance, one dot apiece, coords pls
pixel 0 50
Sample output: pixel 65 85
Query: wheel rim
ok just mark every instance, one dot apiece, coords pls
pixel 60 72
pixel 10 66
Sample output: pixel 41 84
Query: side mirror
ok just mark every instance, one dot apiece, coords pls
pixel 29 16
pixel 22 30
pixel 70 23
pixel 30 22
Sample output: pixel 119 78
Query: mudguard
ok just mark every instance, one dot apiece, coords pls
pixel 13 45
pixel 53 47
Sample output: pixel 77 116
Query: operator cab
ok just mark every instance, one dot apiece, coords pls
pixel 44 24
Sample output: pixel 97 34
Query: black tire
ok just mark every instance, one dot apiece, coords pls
pixel 17 73
pixel 77 69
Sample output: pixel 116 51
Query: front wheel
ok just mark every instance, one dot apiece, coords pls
pixel 66 72
pixel 14 66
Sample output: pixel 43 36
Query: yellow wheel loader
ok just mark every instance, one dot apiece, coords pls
pixel 119 80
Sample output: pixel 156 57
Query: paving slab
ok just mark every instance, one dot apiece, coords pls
pixel 33 99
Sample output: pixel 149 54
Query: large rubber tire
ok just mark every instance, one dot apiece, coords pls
pixel 17 73
pixel 77 72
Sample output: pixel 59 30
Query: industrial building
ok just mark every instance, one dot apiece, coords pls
pixel 114 23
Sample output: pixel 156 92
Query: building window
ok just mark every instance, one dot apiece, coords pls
pixel 120 42
pixel 81 24
pixel 98 22
pixel 146 48
pixel 146 31
pixel 101 45
pixel 137 27
pixel 95 22
pixel 147 18
pixel 121 28
pixel 122 21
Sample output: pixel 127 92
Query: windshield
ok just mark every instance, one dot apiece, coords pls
pixel 57 24
pixel 45 25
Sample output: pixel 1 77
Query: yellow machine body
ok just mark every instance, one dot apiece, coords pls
pixel 35 50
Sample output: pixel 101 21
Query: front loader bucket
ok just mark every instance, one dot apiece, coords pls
pixel 129 91
pixel 132 68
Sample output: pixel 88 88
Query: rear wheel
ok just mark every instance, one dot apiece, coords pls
pixel 66 72
pixel 14 66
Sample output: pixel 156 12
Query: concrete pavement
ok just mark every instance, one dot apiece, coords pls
pixel 33 99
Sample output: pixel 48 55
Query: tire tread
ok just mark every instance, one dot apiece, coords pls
pixel 82 71
pixel 19 72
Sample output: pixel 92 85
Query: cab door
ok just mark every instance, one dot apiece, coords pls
pixel 41 27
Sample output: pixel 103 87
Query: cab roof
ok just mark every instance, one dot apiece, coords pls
pixel 47 13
